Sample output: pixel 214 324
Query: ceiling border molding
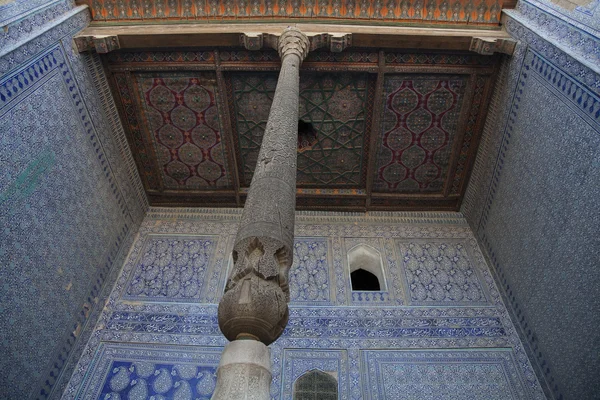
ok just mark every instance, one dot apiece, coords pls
pixel 336 37
pixel 465 13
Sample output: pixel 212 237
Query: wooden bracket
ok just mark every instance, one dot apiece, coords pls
pixel 101 43
pixel 489 46
pixel 252 41
pixel 335 42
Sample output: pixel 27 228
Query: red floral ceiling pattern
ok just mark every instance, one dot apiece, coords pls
pixel 183 121
pixel 176 130
pixel 381 130
pixel 419 126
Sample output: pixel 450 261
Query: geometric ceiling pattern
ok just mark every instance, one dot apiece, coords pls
pixel 420 122
pixel 182 116
pixel 379 130
pixel 334 104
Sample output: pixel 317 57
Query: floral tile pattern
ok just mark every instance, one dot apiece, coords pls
pixel 68 202
pixel 534 217
pixel 129 371
pixel 16 9
pixel 81 232
pixel 309 275
pixel 440 273
pixel 460 375
pixel 171 268
pixel 329 336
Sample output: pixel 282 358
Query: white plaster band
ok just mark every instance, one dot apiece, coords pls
pixel 246 352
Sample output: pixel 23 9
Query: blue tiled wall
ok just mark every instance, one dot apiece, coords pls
pixel 68 207
pixel 13 10
pixel 585 17
pixel 441 331
pixel 534 195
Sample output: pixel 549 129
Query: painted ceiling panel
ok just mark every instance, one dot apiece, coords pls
pixel 420 122
pixel 181 129
pixel 378 131
pixel 335 104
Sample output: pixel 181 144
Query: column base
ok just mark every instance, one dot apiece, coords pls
pixel 244 372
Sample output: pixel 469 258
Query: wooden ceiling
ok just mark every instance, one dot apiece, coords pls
pixel 393 129
pixel 384 127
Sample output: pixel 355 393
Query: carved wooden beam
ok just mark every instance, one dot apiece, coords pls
pixel 255 36
pixel 375 127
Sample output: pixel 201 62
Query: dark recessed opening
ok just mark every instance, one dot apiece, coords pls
pixel 364 280
pixel 316 384
pixel 307 135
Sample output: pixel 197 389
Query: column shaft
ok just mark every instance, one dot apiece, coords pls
pixel 254 305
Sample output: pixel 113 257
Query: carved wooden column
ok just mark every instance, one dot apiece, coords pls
pixel 253 311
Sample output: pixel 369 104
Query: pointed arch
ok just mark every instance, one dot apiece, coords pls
pixel 316 384
pixel 365 264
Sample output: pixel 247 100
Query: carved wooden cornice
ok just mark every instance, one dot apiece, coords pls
pixel 335 38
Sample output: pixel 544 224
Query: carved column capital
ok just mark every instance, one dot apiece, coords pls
pixel 293 41
pixel 335 42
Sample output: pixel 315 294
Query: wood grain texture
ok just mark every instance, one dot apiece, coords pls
pixel 331 112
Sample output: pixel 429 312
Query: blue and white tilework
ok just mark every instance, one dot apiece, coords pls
pixel 17 9
pixel 65 221
pixel 490 374
pixel 546 180
pixel 309 275
pixel 171 269
pixel 133 371
pixel 23 30
pixel 329 336
pixel 36 43
pixel 573 61
pixel 585 17
pixel 440 272
pixel 297 362
pixel 533 199
pixel 577 43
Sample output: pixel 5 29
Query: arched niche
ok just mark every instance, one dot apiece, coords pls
pixel 366 258
pixel 316 384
